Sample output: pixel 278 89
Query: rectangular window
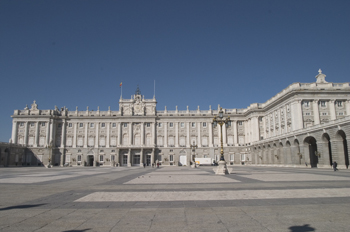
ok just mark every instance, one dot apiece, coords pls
pixel 240 123
pixel 171 124
pixel 182 124
pixel 324 113
pixel 59 125
pixel 101 158
pixel 103 125
pixel 171 158
pixel 43 124
pixel 341 113
pixel 193 124
pixel 148 124
pixel 306 103
pixel 159 124
pixel 32 124
pixel 339 103
pixel 232 156
pixel 70 124
pixel 92 125
pixel 323 104
pixel 21 124
pixel 114 125
pixel 204 124
pixel 79 158
pixel 307 113
pixel 67 158
pixel 125 124
pixel 81 125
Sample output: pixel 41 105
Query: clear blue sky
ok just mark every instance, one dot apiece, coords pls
pixel 233 53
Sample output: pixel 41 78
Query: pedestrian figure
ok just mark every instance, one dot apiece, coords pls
pixel 335 166
pixel 144 165
pixel 157 165
pixel 152 165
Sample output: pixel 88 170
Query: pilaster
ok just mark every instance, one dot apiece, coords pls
pixel 14 132
pixel 108 134
pixel 75 135
pixel 97 125
pixel 36 141
pixel 332 109
pixel 235 137
pixel 316 112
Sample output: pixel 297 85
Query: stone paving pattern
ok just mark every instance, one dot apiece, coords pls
pixel 174 199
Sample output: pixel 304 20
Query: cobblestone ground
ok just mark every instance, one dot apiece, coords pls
pixel 174 199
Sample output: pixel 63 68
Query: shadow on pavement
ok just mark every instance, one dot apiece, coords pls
pixel 76 230
pixel 303 228
pixel 21 207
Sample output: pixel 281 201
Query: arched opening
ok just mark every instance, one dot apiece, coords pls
pixel 311 143
pixel 90 158
pixel 344 147
pixel 327 140
pixel 183 158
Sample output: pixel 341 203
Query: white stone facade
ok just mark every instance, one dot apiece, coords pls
pixel 138 133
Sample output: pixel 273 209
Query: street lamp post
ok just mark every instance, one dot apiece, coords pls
pixel 221 169
pixel 193 148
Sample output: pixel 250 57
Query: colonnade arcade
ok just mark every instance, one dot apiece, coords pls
pixel 318 149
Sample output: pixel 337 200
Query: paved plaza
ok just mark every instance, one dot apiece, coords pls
pixel 174 199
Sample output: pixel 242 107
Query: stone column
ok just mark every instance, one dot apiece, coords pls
pixel 142 134
pixel 108 134
pixel 75 128
pixel 347 107
pixel 130 134
pixel 26 133
pixel 152 157
pixel 176 134
pixel 264 127
pixel 224 135
pixel 316 112
pixel 119 129
pixel 165 142
pixel 14 132
pixel 153 142
pixel 141 158
pixel 210 142
pixel 296 115
pixel 188 142
pixel 255 129
pixel 129 158
pixel 36 141
pixel 86 134
pixel 97 134
pixel 63 136
pixel 52 133
pixel 235 137
pixel 332 109
pixel 117 157
pixel 199 142
pixel 48 133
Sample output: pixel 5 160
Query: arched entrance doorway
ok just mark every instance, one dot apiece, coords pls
pixel 311 143
pixel 183 158
pixel 343 148
pixel 90 158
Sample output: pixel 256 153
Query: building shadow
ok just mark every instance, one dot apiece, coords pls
pixel 76 230
pixel 303 228
pixel 21 207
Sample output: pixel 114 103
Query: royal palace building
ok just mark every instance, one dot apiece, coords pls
pixel 306 124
